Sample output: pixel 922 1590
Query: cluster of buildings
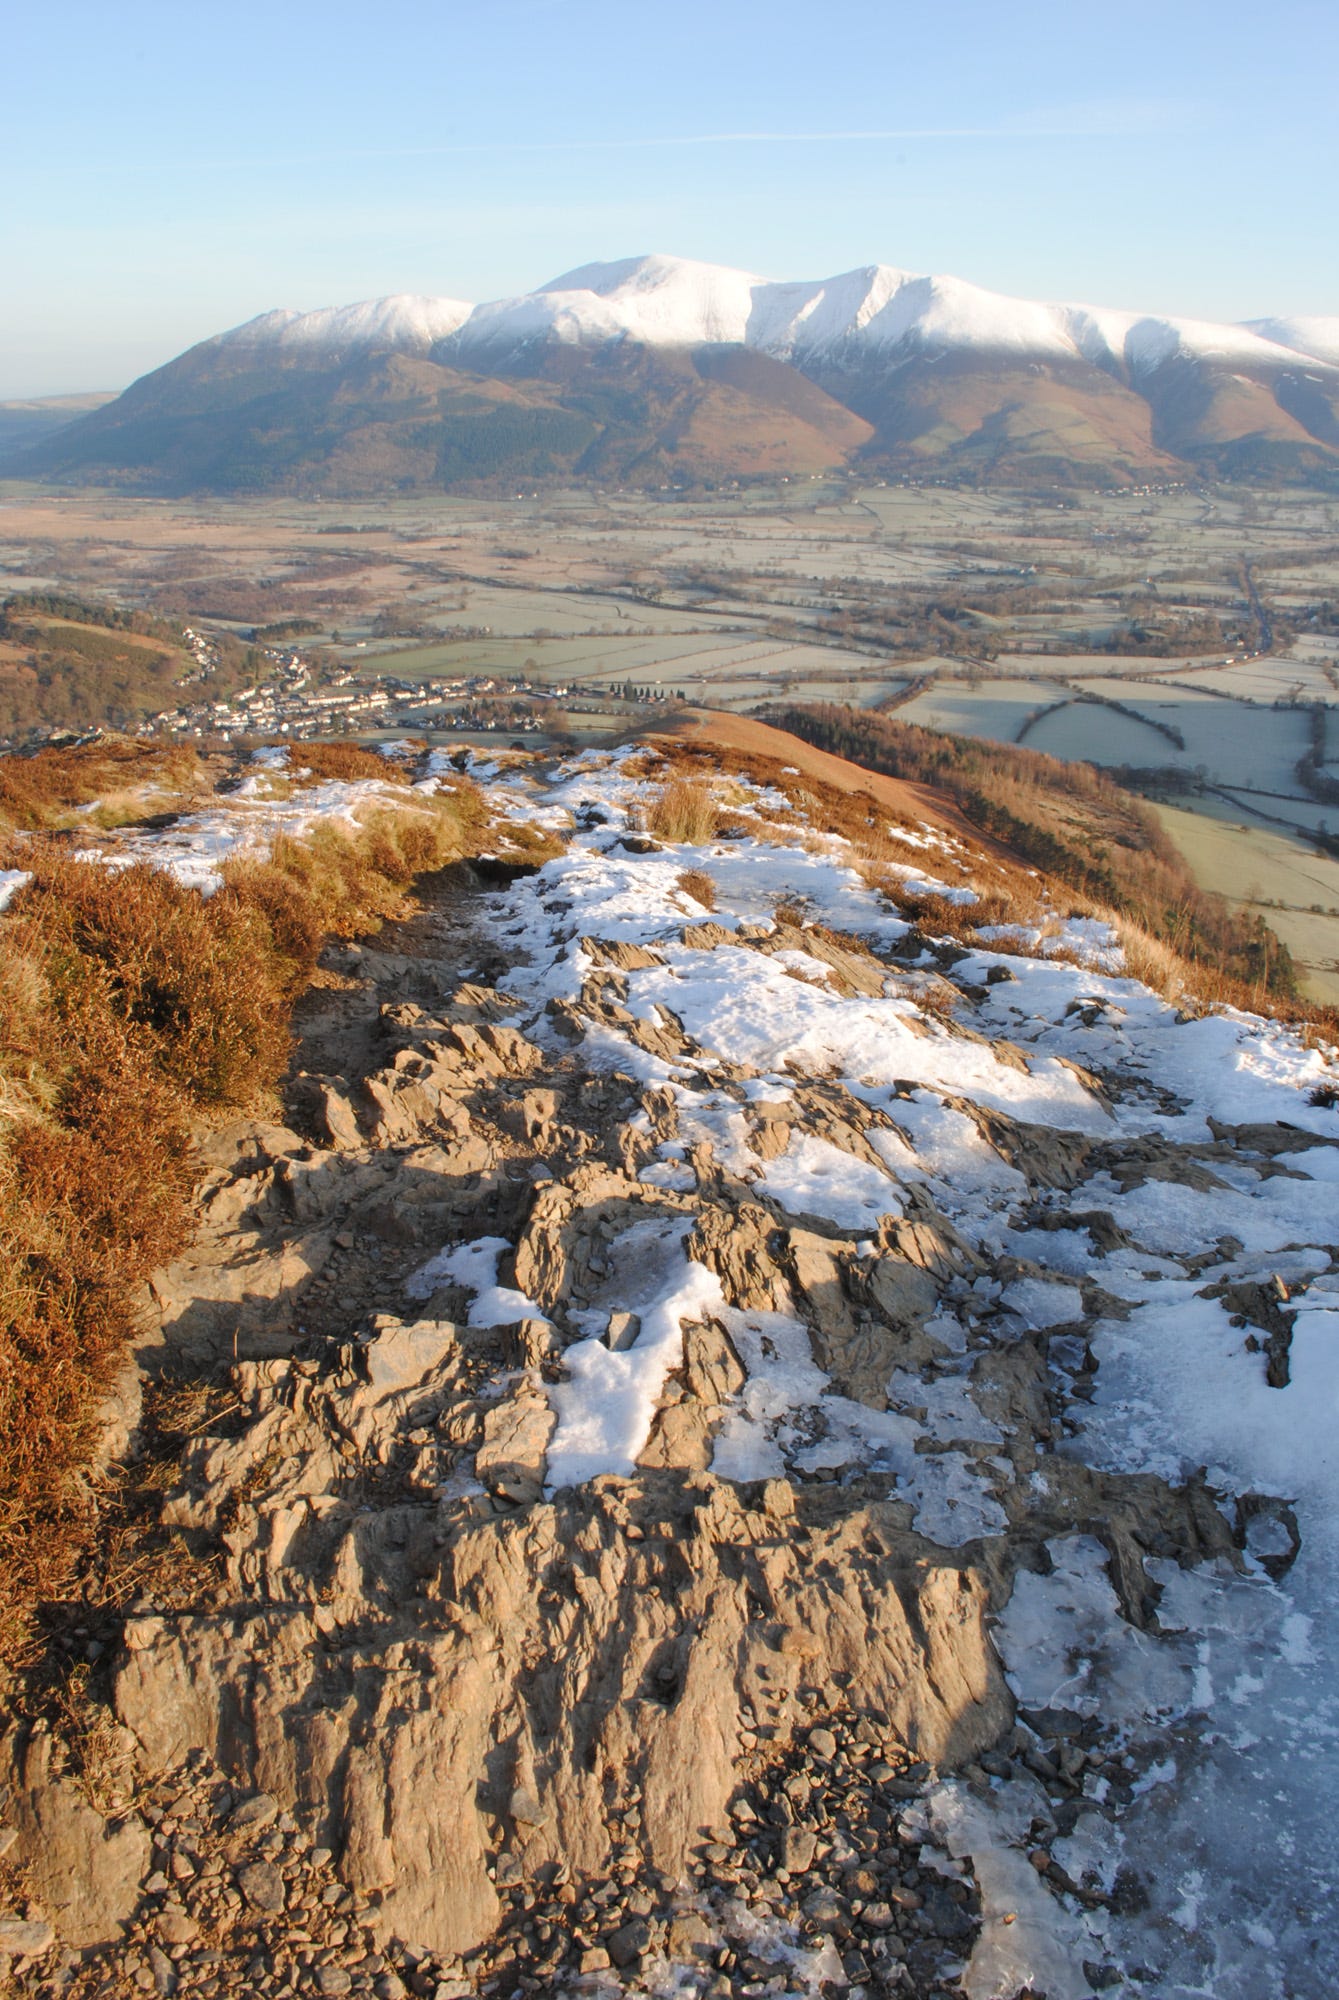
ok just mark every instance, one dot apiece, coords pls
pixel 291 703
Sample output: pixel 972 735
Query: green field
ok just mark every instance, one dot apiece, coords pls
pixel 1295 889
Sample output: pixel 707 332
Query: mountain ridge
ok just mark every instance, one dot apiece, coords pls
pixel 672 301
pixel 761 1423
pixel 930 373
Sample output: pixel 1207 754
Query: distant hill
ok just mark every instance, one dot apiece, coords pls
pixel 37 418
pixel 658 370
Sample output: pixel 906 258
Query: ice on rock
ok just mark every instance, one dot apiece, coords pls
pixel 1029 1942
pixel 1066 1645
pixel 1039 1304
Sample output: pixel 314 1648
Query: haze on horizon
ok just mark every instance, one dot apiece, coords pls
pixel 171 176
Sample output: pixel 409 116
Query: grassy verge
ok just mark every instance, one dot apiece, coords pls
pixel 132 1009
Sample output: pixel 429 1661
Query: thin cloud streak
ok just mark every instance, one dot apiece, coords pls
pixel 1097 128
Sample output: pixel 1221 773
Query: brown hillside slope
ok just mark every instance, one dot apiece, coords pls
pixel 717 729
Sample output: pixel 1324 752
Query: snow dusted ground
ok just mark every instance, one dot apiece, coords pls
pixel 1226 1705
pixel 245 825
pixel 1209 1872
pixel 11 881
pixel 269 803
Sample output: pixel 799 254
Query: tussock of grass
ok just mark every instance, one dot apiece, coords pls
pixel 519 840
pixel 130 1008
pixel 695 882
pixel 683 811
pixel 1154 963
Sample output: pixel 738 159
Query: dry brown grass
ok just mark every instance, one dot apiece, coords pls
pixel 1005 900
pixel 43 790
pixel 330 760
pixel 100 1760
pixel 1151 961
pixel 695 882
pixel 130 1008
pixel 683 811
pixel 336 880
pixel 518 840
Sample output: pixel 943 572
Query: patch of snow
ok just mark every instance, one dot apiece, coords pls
pixel 1039 1304
pixel 606 1406
pixel 814 1177
pixel 195 849
pixel 11 881
pixel 474 1265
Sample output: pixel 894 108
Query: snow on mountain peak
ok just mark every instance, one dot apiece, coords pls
pixel 1309 335
pixel 876 312
pixel 655 301
pixel 404 321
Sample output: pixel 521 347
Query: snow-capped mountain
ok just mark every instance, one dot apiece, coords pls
pixel 661 369
pixel 1314 337
pixel 674 302
pixel 403 322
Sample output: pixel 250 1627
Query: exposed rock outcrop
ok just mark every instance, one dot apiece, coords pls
pixel 395 1674
pixel 445 1668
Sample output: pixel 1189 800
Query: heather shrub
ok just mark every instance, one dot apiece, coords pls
pixel 188 978
pixel 44 789
pixel 347 761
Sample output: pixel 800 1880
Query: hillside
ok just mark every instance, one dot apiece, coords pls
pixel 717 1434
pixel 260 421
pixel 35 419
pixel 658 370
pixel 1083 830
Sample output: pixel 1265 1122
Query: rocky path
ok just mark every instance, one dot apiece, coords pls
pixel 668 1356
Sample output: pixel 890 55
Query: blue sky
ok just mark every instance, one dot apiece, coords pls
pixel 169 171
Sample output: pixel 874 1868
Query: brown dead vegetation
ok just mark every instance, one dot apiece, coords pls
pixel 45 789
pixel 684 811
pixel 131 1009
pixel 337 760
pixel 696 882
